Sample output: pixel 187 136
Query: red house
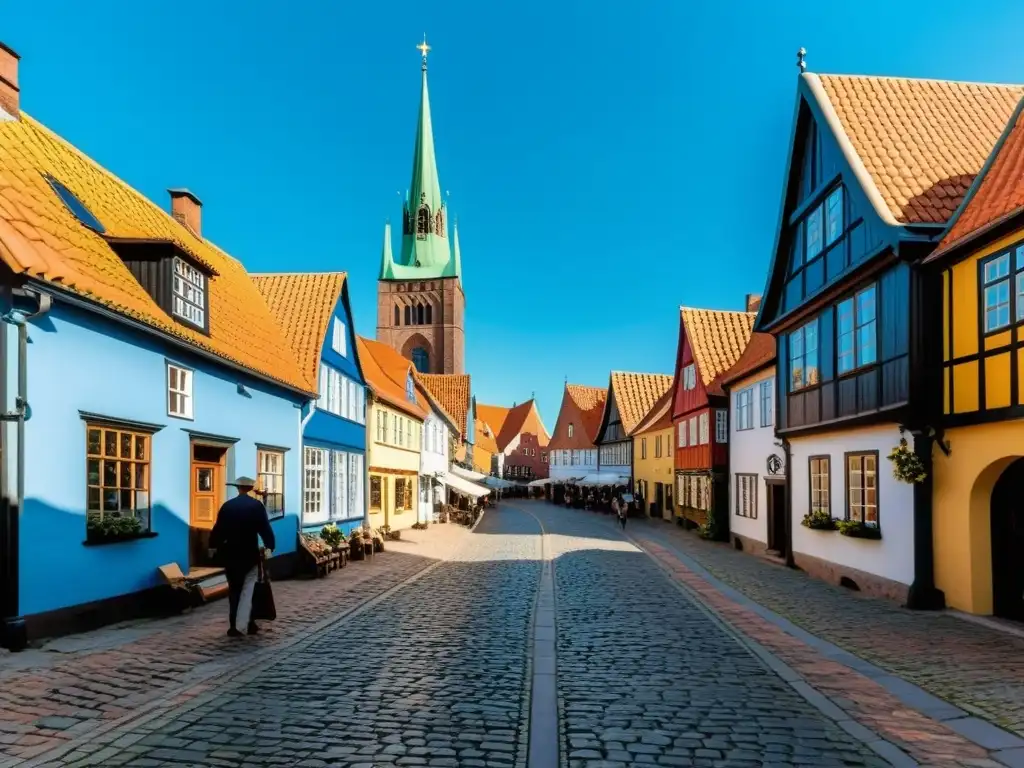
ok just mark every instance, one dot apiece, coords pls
pixel 710 343
pixel 522 438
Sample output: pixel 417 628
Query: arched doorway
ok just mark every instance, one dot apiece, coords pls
pixel 1007 508
pixel 421 359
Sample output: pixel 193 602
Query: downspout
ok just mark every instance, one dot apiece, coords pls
pixel 13 634
pixel 787 454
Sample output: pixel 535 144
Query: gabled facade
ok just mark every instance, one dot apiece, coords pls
pixel 521 437
pixel 440 433
pixel 757 471
pixel 979 477
pixel 572 452
pixel 152 386
pixel 394 436
pixel 487 457
pixel 453 392
pixel 421 306
pixel 654 460
pixel 630 397
pixel 710 342
pixel 853 311
pixel 314 312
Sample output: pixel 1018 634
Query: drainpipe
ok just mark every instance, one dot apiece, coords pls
pixel 13 633
pixel 923 595
pixel 787 456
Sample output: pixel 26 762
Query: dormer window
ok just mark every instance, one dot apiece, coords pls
pixel 189 294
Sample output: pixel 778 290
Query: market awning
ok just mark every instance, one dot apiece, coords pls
pixel 497 482
pixel 605 478
pixel 538 483
pixel 467 474
pixel 462 485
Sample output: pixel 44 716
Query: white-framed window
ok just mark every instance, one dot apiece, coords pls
pixel 862 487
pixel 682 434
pixel 410 389
pixel 339 338
pixel 315 502
pixel 746 495
pixel 570 430
pixel 721 426
pixel 745 409
pixel 179 391
pixel 339 485
pixel 767 392
pixel 996 282
pixel 355 485
pixel 693 430
pixel 270 479
pixel 189 293
pixel 702 422
pixel 689 376
pixel 820 470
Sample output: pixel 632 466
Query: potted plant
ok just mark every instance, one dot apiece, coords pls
pixel 907 466
pixel 355 543
pixel 855 529
pixel 331 535
pixel 819 520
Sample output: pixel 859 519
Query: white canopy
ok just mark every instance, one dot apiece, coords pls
pixel 497 482
pixel 467 474
pixel 539 483
pixel 462 485
pixel 604 478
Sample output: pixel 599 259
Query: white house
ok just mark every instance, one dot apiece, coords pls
pixel 435 458
pixel 757 480
pixel 572 451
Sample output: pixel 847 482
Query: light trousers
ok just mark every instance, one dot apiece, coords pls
pixel 240 589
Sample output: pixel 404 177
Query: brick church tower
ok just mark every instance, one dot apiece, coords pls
pixel 420 304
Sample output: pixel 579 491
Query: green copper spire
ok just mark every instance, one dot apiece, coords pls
pixel 454 267
pixel 386 259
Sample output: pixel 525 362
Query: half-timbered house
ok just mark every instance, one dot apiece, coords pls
pixel 876 168
pixel 630 397
pixel 710 343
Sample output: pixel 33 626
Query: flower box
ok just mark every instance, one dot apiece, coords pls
pixel 858 530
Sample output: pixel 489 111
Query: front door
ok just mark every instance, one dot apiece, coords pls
pixel 207 490
pixel 776 493
pixel 1008 543
pixel 659 500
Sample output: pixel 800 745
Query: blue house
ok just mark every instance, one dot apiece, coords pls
pixel 143 372
pixel 313 311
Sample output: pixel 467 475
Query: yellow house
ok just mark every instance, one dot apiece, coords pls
pixel 485 449
pixel 977 513
pixel 394 430
pixel 654 459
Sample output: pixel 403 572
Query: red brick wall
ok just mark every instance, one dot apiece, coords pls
pixel 444 338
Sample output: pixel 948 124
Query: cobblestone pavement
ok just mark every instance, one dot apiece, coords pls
pixel 432 674
pixel 975 667
pixel 75 685
pixel 646 676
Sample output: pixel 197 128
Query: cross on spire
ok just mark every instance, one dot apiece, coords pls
pixel 801 58
pixel 424 49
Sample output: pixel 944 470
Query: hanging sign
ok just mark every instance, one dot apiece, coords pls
pixel 775 465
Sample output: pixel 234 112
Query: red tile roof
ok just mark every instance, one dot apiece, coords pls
pixel 635 395
pixel 760 352
pixel 659 417
pixel 590 402
pixel 452 391
pixel 509 422
pixel 385 372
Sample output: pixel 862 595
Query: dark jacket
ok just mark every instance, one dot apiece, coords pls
pixel 234 535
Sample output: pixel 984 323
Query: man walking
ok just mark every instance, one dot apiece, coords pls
pixel 239 522
pixel 622 509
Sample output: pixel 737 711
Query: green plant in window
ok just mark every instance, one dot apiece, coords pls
pixel 907 466
pixel 112 527
pixel 818 520
pixel 855 529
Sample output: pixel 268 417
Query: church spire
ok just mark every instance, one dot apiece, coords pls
pixel 425 230
pixel 454 267
pixel 386 259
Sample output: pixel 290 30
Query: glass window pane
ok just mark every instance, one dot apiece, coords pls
pixel 110 501
pixel 126 474
pixel 93 498
pixel 110 474
pixel 93 472
pixel 140 475
pixel 126 445
pixel 126 500
pixel 109 443
pixel 997 268
pixel 140 447
pixel 93 442
pixel 814 233
pixel 834 208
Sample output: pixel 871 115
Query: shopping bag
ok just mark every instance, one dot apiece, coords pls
pixel 263 608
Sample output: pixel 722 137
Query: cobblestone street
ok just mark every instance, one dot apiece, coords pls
pixel 423 656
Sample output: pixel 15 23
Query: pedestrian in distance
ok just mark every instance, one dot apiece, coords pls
pixel 623 511
pixel 241 523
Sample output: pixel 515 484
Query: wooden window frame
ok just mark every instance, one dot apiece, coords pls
pixel 379 501
pixel 827 489
pixel 742 478
pixel 261 453
pixel 134 458
pixel 863 488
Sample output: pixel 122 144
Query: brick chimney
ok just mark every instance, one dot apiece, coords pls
pixel 188 209
pixel 9 92
pixel 753 302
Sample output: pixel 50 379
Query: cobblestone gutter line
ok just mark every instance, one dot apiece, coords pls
pixel 545 748
pixel 907 724
pixel 151 715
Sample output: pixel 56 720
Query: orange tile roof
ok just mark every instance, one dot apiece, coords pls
pixel 514 421
pixel 452 391
pixel 760 352
pixel 717 338
pixel 659 417
pixel 41 239
pixel 385 372
pixel 583 406
pixel 590 402
pixel 997 193
pixel 636 393
pixel 434 403
pixel 919 142
pixel 494 415
pixel 485 437
pixel 302 303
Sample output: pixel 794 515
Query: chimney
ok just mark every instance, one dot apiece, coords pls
pixel 9 93
pixel 753 302
pixel 188 209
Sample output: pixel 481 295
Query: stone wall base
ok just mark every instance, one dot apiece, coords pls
pixel 868 583
pixel 749 546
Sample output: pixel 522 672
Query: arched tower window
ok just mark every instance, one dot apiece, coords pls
pixel 429 313
pixel 398 316
pixel 408 315
pixel 439 223
pixel 422 221
pixel 421 359
pixel 419 314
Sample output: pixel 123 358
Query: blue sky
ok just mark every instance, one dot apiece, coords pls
pixel 607 162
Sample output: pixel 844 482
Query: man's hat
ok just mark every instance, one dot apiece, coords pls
pixel 244 482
